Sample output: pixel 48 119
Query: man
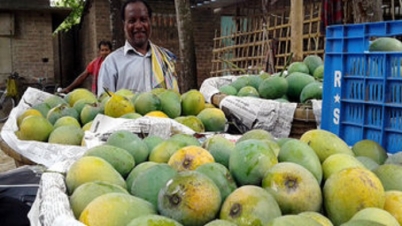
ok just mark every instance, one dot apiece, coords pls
pixel 139 65
pixel 104 47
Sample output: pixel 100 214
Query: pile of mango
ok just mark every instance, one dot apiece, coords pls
pixel 301 82
pixel 63 120
pixel 254 179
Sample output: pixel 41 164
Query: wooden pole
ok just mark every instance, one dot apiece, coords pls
pixel 116 27
pixel 188 75
pixel 296 27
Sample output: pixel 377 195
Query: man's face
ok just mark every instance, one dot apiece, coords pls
pixel 104 50
pixel 137 25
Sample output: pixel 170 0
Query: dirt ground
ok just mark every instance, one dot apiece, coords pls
pixel 6 162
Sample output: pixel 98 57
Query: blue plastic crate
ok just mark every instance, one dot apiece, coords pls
pixel 362 97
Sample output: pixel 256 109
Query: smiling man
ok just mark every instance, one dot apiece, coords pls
pixel 139 65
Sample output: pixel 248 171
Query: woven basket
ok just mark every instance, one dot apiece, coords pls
pixel 19 159
pixel 217 98
pixel 303 121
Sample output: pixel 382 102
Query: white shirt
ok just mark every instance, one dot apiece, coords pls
pixel 125 68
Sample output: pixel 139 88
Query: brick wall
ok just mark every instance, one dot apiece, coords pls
pixel 95 26
pixel 164 27
pixel 206 23
pixel 165 34
pixel 31 43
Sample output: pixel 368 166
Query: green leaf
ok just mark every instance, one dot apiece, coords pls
pixel 74 18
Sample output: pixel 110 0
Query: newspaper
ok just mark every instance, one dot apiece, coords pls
pixel 317 106
pixel 103 126
pixel 52 206
pixel 210 86
pixel 248 113
pixel 39 152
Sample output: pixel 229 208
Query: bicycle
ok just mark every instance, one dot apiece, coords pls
pixel 15 88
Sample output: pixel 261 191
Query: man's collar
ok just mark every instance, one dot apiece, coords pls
pixel 128 48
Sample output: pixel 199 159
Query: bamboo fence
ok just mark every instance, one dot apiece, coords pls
pixel 262 41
